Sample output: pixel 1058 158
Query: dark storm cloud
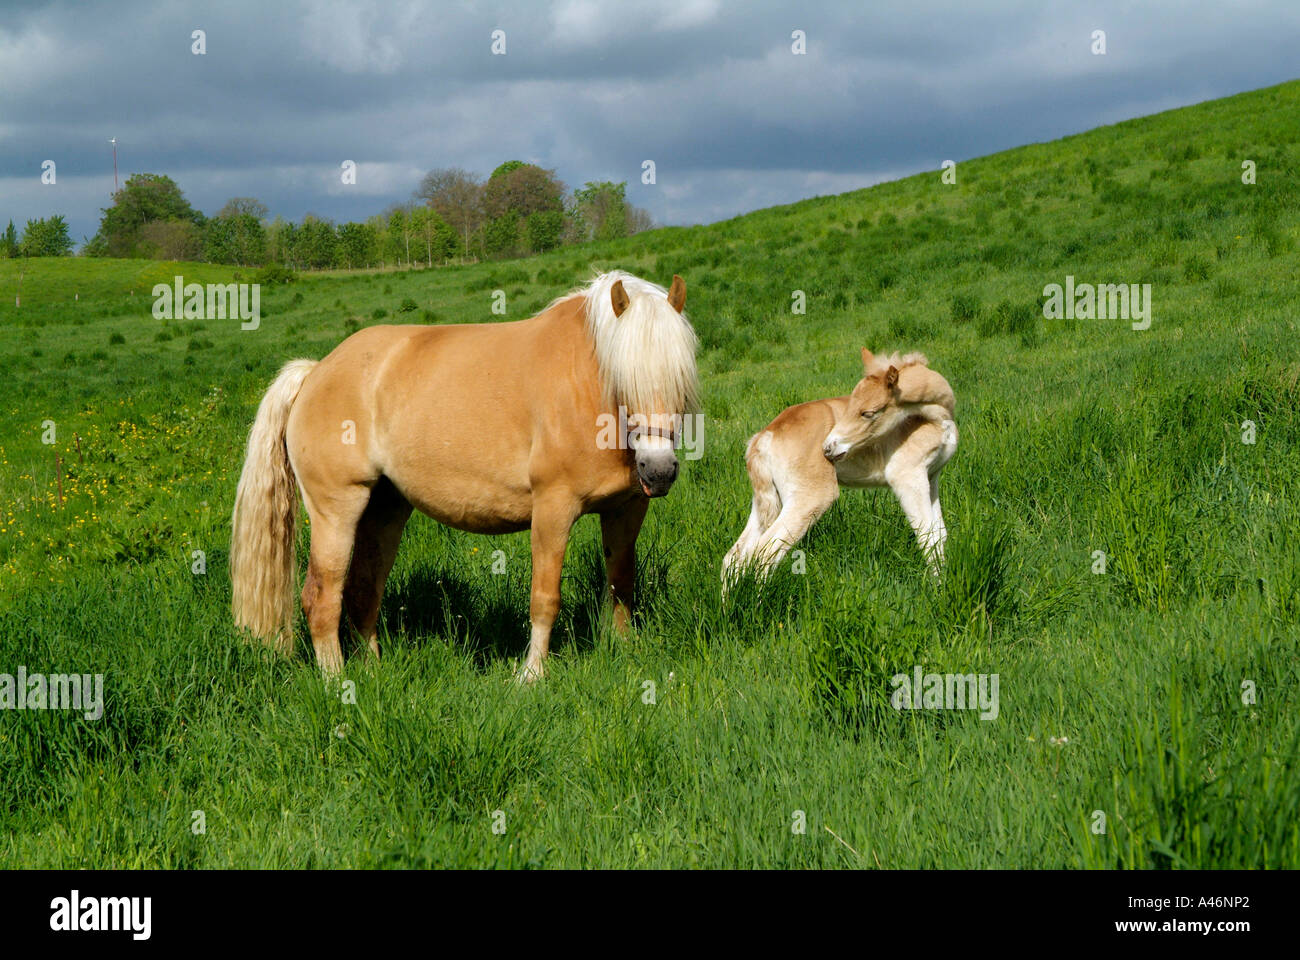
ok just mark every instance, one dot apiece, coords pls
pixel 708 89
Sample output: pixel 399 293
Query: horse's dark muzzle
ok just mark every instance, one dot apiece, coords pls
pixel 657 477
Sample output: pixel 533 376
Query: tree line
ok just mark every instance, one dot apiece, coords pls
pixel 47 237
pixel 519 210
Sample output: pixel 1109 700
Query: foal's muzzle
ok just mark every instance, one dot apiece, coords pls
pixel 834 450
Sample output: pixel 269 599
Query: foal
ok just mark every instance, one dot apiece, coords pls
pixel 896 428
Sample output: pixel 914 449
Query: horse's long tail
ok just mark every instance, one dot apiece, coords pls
pixel 263 568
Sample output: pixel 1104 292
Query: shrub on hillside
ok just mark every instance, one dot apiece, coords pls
pixel 274 273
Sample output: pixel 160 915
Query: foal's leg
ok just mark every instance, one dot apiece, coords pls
pixel 763 511
pixel 936 515
pixel 618 532
pixel 378 534
pixel 552 521
pixel 803 500
pixel 333 530
pixel 744 544
pixel 913 492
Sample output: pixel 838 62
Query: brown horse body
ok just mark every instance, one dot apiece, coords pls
pixel 488 428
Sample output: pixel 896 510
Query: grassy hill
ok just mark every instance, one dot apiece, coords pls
pixel 1161 693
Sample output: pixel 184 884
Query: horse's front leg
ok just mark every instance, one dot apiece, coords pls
pixel 618 533
pixel 552 521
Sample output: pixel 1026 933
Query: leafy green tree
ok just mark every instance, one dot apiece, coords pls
pixel 457 195
pixel 315 243
pixel 233 237
pixel 218 242
pixel 521 189
pixel 599 211
pixel 501 236
pixel 378 223
pixel 45 238
pixel 398 237
pixel 433 233
pixel 279 236
pixel 505 169
pixel 544 229
pixel 9 242
pixel 514 194
pixel 170 240
pixel 144 198
pixel 356 245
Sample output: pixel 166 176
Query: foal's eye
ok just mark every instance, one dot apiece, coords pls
pixel 870 414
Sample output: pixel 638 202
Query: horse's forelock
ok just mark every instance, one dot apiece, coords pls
pixel 646 355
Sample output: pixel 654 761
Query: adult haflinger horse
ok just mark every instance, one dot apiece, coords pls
pixel 896 428
pixel 490 428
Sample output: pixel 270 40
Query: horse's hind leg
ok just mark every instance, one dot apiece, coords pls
pixel 378 534
pixel 333 530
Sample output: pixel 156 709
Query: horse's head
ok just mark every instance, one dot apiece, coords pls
pixel 874 409
pixel 663 385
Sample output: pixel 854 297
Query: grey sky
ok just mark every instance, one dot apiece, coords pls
pixel 708 89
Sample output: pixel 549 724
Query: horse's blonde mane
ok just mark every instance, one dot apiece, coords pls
pixel 646 356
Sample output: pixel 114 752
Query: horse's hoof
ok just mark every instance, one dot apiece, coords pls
pixel 531 673
pixel 331 674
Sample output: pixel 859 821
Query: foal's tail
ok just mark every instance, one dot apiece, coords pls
pixel 767 495
pixel 263 568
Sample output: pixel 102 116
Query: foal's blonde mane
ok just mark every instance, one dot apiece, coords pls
pixel 646 356
pixel 917 383
pixel 883 363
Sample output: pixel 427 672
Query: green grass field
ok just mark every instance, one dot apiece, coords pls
pixel 1161 693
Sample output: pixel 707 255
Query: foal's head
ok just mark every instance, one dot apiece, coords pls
pixel 650 362
pixel 875 408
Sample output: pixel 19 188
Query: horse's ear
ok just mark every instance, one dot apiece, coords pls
pixel 677 293
pixel 618 296
pixel 868 361
pixel 891 378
